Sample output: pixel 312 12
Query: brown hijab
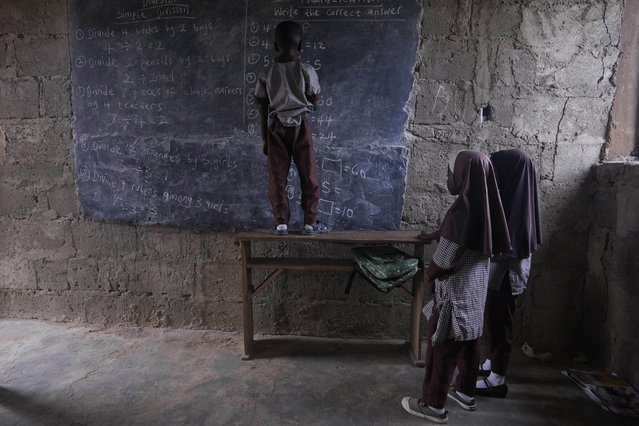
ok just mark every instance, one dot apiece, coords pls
pixel 517 179
pixel 476 219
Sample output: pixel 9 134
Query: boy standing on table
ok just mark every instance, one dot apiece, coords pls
pixel 288 90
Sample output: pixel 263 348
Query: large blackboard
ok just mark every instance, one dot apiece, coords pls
pixel 167 128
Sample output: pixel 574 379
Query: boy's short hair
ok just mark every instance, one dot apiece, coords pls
pixel 288 34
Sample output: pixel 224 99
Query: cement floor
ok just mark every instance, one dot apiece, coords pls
pixel 60 374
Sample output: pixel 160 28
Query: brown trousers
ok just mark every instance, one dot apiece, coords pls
pixel 284 144
pixel 498 326
pixel 441 361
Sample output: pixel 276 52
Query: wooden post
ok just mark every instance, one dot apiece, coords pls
pixel 247 305
pixel 419 281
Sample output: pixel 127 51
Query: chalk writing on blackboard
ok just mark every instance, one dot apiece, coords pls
pixel 166 121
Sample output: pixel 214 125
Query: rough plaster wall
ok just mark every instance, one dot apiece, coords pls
pixel 545 69
pixel 611 295
pixel 543 66
pixel 53 263
pixel 315 304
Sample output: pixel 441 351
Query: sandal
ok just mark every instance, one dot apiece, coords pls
pixel 492 391
pixel 483 373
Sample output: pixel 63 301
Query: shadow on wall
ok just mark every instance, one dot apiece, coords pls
pixel 549 316
pixel 610 296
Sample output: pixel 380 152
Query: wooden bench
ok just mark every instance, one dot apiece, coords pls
pixel 280 264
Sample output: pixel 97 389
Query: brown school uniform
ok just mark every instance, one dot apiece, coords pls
pixel 473 229
pixel 289 88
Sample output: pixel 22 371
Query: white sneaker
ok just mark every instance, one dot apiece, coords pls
pixel 281 229
pixel 419 409
pixel 464 402
pixel 315 228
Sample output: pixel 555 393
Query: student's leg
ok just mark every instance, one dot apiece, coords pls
pixel 468 366
pixel 428 367
pixel 279 162
pixel 440 366
pixel 502 307
pixel 487 335
pixel 304 157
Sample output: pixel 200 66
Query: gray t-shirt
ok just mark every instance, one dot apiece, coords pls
pixel 288 88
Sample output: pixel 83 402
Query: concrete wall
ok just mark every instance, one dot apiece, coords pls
pixel 544 68
pixel 53 263
pixel 611 295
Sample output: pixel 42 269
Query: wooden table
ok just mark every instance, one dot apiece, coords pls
pixel 280 264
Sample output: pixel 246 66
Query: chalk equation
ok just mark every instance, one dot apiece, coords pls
pixel 168 129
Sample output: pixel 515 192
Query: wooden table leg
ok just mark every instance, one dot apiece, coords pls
pixel 419 284
pixel 247 305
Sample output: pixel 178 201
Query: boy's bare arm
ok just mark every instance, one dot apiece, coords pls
pixel 264 120
pixel 314 99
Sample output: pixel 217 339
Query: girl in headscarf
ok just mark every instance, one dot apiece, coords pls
pixel 473 229
pixel 517 181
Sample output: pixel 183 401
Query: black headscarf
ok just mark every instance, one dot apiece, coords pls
pixel 517 180
pixel 476 218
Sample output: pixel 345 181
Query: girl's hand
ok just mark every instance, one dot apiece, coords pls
pixel 426 236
